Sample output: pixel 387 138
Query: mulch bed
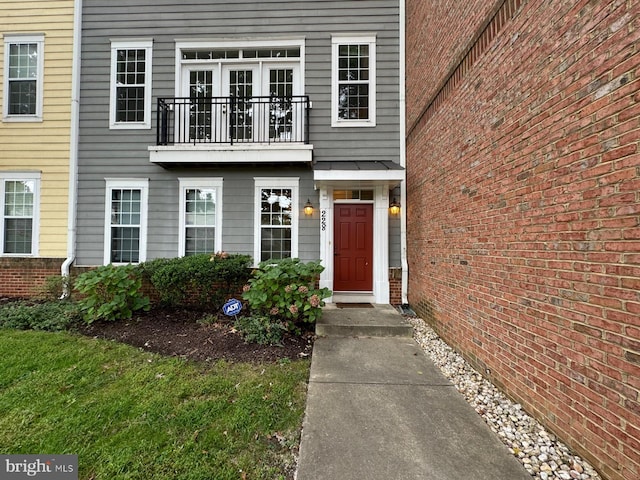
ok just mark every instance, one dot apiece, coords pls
pixel 178 332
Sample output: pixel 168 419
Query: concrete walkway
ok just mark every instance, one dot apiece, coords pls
pixel 378 408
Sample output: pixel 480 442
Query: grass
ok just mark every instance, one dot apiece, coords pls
pixel 129 414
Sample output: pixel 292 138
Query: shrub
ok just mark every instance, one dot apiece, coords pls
pixel 50 316
pixel 285 290
pixel 111 293
pixel 203 281
pixel 261 329
pixel 54 287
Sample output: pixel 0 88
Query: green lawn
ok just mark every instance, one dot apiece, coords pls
pixel 128 414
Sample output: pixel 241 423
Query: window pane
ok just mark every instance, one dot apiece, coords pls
pixel 22 97
pixel 200 207
pixel 353 78
pixel 276 215
pixel 18 198
pixel 275 243
pixel 353 101
pixel 125 207
pixel 23 60
pixel 276 206
pixel 130 104
pixel 241 87
pixel 125 244
pixel 200 240
pixel 280 106
pixel 130 85
pixel 18 235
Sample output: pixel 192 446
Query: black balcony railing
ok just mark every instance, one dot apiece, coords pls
pixel 232 120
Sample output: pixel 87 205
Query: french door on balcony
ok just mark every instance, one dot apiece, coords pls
pixel 241 103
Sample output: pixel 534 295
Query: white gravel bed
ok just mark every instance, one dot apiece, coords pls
pixel 541 453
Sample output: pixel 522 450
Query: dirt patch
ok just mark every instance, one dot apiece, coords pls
pixel 197 336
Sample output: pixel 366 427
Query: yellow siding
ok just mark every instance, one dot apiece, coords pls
pixel 44 146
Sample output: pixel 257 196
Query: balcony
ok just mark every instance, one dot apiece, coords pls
pixel 206 130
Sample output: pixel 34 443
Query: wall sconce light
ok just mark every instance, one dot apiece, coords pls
pixel 308 208
pixel 394 207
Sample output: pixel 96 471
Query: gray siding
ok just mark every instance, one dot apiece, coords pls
pixel 123 153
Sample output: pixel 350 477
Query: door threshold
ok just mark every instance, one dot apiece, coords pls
pixel 353 297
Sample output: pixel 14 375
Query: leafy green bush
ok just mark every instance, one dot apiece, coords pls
pixel 203 281
pixel 261 329
pixel 50 316
pixel 285 290
pixel 111 293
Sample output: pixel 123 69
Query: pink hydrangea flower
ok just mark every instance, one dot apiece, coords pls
pixel 303 289
pixel 274 311
pixel 314 301
pixel 293 309
pixel 246 288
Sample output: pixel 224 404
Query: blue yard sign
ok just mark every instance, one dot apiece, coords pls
pixel 232 307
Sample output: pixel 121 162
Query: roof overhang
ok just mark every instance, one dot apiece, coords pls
pixel 361 174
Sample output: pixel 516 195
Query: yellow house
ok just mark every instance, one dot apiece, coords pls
pixel 37 64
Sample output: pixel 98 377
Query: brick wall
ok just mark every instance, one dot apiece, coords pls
pixel 25 277
pixel 395 286
pixel 524 208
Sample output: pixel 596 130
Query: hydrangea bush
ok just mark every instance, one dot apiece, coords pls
pixel 285 291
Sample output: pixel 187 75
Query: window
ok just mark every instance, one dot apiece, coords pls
pixel 200 216
pixel 276 218
pixel 20 202
pixel 353 87
pixel 126 221
pixel 130 84
pixel 264 78
pixel 23 77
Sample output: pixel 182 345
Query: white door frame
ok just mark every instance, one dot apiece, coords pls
pixel 380 292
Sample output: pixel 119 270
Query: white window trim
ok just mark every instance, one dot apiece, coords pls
pixel 35 227
pixel 118 183
pixel 131 44
pixel 20 38
pixel 275 182
pixel 337 40
pixel 186 183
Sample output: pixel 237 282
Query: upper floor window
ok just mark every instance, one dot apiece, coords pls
pixel 130 84
pixel 19 199
pixel 23 77
pixel 247 91
pixel 353 86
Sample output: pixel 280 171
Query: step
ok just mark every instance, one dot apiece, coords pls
pixel 362 320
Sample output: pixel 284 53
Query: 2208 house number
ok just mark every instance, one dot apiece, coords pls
pixel 323 220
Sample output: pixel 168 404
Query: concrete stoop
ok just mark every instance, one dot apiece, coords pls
pixel 362 320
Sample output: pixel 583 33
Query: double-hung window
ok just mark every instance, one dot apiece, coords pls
pixel 130 84
pixel 23 77
pixel 126 220
pixel 276 229
pixel 353 86
pixel 20 207
pixel 200 215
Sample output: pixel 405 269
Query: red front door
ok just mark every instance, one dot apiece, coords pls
pixel 353 248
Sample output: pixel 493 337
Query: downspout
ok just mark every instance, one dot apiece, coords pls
pixel 73 145
pixel 403 157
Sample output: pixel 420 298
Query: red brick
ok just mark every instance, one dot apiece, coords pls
pixel 557 201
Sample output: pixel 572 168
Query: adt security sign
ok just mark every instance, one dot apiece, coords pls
pixel 232 307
